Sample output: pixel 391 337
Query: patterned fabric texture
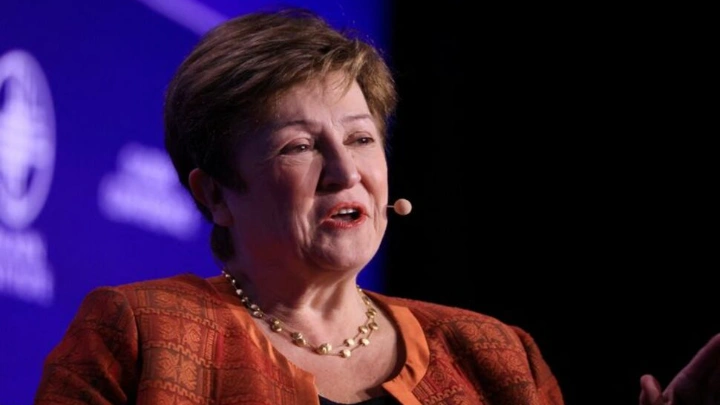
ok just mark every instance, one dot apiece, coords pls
pixel 187 340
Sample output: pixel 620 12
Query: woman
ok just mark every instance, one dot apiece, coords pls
pixel 276 123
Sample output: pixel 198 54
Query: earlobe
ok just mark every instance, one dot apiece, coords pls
pixel 209 193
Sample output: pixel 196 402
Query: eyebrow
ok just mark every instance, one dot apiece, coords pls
pixel 357 117
pixel 305 122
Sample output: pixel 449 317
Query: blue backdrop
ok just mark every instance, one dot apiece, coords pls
pixel 87 194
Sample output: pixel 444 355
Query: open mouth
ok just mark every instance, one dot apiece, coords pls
pixel 347 214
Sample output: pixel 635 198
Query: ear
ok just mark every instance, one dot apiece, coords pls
pixel 210 194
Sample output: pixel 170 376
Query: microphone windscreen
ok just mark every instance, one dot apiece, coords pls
pixel 402 206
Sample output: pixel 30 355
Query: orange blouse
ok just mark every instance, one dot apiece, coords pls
pixel 188 340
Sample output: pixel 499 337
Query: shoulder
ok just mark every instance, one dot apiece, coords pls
pixel 431 314
pixel 186 285
pixel 460 327
pixel 487 348
pixel 180 292
pixel 182 283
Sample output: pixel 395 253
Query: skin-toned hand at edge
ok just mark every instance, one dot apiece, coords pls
pixel 698 383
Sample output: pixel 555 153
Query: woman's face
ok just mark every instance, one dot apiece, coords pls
pixel 316 182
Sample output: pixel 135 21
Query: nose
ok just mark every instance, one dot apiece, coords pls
pixel 339 169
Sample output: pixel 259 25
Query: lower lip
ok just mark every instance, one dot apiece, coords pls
pixel 339 224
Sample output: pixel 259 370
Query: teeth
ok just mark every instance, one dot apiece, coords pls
pixel 345 211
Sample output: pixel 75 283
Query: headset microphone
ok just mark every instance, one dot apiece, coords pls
pixel 401 206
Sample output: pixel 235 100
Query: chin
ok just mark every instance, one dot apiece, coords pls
pixel 343 262
pixel 344 250
pixel 345 258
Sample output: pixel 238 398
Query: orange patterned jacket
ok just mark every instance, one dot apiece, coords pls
pixel 188 340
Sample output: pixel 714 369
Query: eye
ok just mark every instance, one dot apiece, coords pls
pixel 296 148
pixel 361 139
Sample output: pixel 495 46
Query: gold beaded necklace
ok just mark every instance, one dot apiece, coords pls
pixel 362 338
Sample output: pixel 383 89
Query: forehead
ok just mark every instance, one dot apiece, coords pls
pixel 329 97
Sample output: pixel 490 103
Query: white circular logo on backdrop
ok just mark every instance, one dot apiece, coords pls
pixel 27 139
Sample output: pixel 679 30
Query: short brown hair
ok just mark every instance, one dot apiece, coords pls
pixel 223 90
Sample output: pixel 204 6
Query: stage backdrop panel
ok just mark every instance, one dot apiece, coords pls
pixel 88 196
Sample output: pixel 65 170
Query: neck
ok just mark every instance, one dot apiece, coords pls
pixel 327 298
pixel 321 314
pixel 296 288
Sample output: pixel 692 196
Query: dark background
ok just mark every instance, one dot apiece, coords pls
pixel 562 172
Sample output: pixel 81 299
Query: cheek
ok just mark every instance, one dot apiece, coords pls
pixel 378 178
pixel 297 174
pixel 293 190
pixel 291 193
